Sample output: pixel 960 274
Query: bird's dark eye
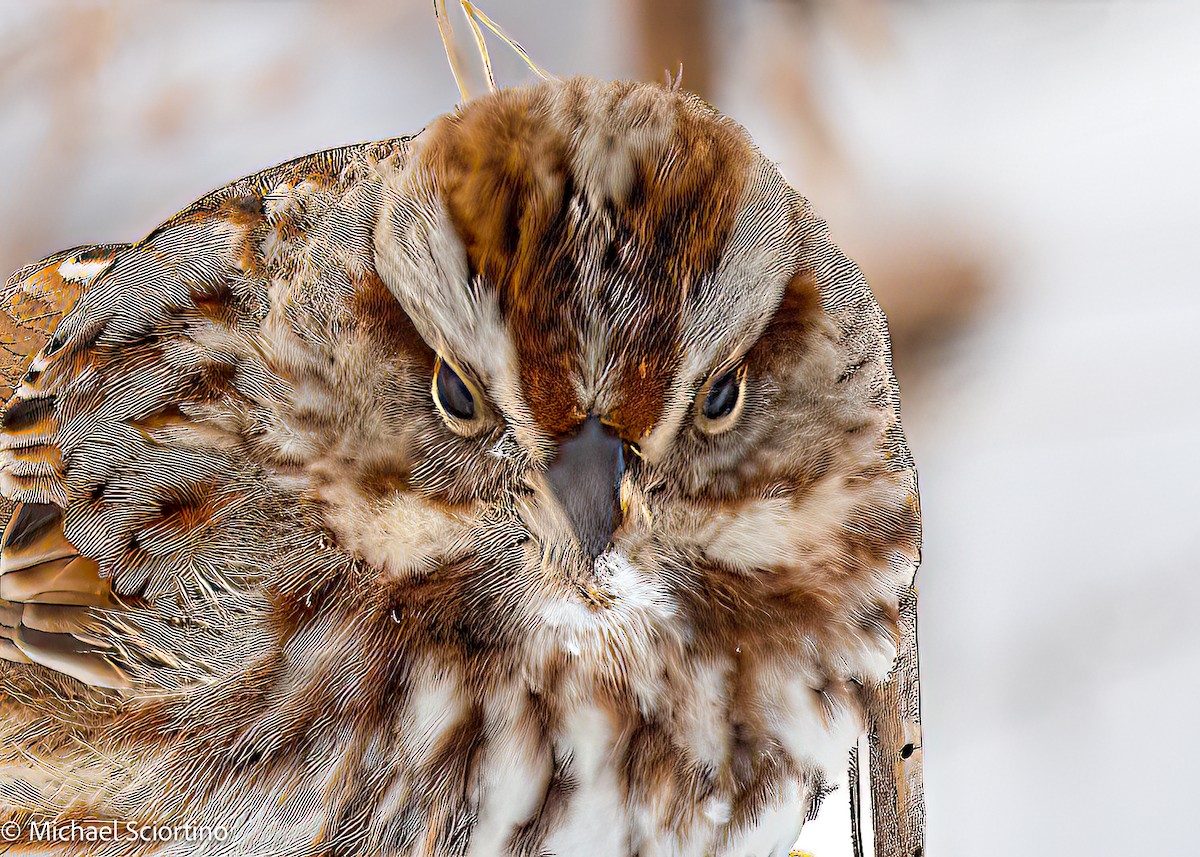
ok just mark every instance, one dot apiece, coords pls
pixel 719 403
pixel 453 395
pixel 723 395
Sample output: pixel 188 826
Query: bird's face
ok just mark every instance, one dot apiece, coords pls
pixel 619 383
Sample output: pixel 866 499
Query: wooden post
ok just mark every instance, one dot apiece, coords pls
pixel 897 786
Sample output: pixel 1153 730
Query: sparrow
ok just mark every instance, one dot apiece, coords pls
pixel 534 485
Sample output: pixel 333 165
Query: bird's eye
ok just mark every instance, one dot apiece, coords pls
pixel 722 397
pixel 720 401
pixel 452 394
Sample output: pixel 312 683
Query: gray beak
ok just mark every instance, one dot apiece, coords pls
pixel 585 477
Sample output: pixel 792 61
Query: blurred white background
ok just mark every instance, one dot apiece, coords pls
pixel 1020 183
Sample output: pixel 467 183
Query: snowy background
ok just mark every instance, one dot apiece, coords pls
pixel 1020 183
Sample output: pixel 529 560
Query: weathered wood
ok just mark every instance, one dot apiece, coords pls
pixel 897 791
pixel 855 787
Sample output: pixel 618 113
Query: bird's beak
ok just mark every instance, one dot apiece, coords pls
pixel 585 477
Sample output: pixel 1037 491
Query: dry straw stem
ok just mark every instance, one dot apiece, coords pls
pixel 475 17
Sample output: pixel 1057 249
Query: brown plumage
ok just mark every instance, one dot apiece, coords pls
pixel 532 486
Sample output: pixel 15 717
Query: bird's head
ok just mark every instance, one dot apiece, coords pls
pixel 627 362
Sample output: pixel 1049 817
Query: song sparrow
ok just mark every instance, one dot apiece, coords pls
pixel 534 485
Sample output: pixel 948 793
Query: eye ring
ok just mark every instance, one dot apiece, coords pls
pixel 720 401
pixel 454 396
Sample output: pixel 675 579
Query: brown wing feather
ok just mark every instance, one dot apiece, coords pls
pixel 134 388
pixel 45 585
pixel 35 300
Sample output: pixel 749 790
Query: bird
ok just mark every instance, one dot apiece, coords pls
pixel 532 485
